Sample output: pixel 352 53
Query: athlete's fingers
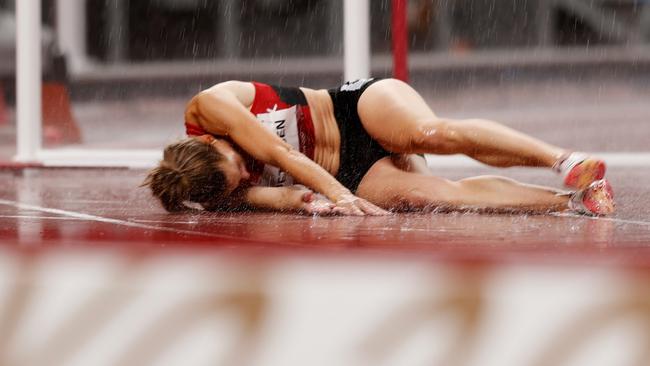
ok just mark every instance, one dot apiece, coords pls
pixel 353 205
pixel 371 209
pixel 350 210
pixel 356 211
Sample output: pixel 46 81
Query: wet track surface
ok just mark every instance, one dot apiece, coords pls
pixel 105 208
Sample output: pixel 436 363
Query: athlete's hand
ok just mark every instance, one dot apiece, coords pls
pixel 350 204
pixel 316 204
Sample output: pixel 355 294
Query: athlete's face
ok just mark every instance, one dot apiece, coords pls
pixel 232 166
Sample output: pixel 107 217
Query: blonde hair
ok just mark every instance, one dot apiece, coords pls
pixel 187 172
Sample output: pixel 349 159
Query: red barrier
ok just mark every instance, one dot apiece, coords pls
pixel 400 40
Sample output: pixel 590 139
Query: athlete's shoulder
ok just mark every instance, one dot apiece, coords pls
pixel 244 91
pixel 233 86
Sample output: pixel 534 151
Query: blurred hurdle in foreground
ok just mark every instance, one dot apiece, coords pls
pixel 105 307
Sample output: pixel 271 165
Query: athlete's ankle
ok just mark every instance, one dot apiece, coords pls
pixel 557 165
pixel 578 169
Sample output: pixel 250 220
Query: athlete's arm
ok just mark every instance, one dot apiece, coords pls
pixel 220 111
pixel 289 199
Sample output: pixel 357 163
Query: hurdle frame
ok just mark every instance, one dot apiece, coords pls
pixel 29 145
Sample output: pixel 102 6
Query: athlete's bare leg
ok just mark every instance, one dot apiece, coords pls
pixel 389 186
pixel 396 116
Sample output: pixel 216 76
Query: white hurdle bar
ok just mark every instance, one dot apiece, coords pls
pixel 28 80
pixel 356 42
pixel 29 83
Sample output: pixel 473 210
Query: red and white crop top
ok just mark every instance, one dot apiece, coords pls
pixel 285 112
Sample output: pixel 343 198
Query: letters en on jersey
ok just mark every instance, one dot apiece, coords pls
pixel 284 124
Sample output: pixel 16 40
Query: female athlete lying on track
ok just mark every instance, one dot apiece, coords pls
pixel 356 147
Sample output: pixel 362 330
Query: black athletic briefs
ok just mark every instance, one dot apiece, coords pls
pixel 358 150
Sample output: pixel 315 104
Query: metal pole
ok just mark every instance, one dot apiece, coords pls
pixel 71 33
pixel 28 79
pixel 400 40
pixel 356 34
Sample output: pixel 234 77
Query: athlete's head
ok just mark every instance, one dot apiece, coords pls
pixel 199 169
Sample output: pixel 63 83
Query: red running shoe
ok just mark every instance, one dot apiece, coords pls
pixel 597 199
pixel 580 170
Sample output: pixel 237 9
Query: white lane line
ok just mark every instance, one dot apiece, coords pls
pixel 27 217
pixel 109 202
pixel 627 221
pixel 611 219
pixel 622 221
pixel 194 222
pixel 87 217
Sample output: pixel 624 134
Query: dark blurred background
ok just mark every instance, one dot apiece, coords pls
pixel 198 29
